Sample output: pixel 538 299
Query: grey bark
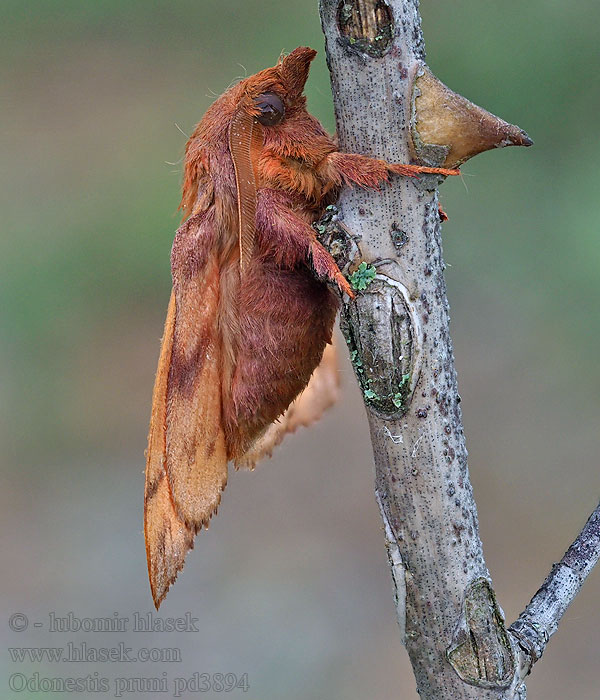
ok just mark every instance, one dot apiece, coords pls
pixel 539 621
pixel 397 330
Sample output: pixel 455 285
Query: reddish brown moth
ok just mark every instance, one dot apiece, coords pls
pixel 252 307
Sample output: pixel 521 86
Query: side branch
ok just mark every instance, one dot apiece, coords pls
pixel 539 621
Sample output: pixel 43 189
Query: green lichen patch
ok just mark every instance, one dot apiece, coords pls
pixel 362 277
pixel 357 361
pixel 399 397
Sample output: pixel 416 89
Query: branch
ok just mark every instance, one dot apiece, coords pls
pixel 389 105
pixel 397 333
pixel 539 621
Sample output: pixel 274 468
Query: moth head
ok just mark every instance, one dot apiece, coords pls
pixel 276 93
pixel 272 98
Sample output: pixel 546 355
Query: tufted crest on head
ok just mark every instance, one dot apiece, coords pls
pixel 294 70
pixel 287 78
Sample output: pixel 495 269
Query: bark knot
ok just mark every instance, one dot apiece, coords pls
pixel 481 652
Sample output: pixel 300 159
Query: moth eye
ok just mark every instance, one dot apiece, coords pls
pixel 271 108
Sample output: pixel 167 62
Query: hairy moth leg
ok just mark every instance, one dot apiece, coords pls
pixel 290 239
pixel 364 171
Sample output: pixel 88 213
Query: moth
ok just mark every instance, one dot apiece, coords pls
pixel 253 304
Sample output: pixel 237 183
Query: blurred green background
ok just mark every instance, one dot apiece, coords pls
pixel 291 583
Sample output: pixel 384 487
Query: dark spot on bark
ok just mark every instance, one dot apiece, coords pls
pixel 458 528
pixel 399 237
pixel 396 51
pixel 421 413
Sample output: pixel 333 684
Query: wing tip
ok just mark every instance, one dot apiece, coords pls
pixel 161 581
pixel 162 577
